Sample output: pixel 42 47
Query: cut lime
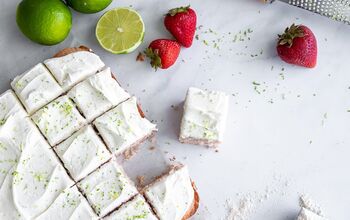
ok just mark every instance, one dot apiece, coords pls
pixel 120 30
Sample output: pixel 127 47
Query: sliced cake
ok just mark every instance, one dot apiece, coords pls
pixel 70 204
pixel 82 153
pixel 74 67
pixel 124 126
pixel 204 117
pixel 98 94
pixel 36 178
pixel 58 120
pixel 107 188
pixel 137 208
pixel 173 196
pixel 36 88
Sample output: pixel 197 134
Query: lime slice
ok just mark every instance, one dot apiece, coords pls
pixel 120 30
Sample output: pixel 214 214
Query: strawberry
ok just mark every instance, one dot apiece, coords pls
pixel 298 45
pixel 181 23
pixel 163 53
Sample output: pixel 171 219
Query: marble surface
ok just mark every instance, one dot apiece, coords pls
pixel 285 137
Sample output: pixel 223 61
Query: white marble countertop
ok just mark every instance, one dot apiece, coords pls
pixel 286 137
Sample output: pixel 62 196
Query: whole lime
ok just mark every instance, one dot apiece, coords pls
pixel 46 22
pixel 88 6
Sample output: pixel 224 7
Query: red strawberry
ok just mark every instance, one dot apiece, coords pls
pixel 181 23
pixel 298 45
pixel 163 53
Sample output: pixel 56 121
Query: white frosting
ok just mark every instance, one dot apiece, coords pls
pixel 15 135
pixel 14 128
pixel 133 210
pixel 36 178
pixel 98 94
pixel 306 214
pixel 58 120
pixel 171 196
pixel 82 153
pixel 107 188
pixel 69 205
pixel 73 68
pixel 205 114
pixel 10 106
pixel 36 87
pixel 123 126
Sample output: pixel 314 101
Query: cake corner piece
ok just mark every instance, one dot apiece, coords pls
pixel 185 192
pixel 204 117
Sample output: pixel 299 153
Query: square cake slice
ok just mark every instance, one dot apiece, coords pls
pixel 82 153
pixel 124 126
pixel 36 179
pixel 70 204
pixel 10 106
pixel 36 88
pixel 204 117
pixel 137 208
pixel 173 195
pixel 98 94
pixel 74 67
pixel 107 188
pixel 58 120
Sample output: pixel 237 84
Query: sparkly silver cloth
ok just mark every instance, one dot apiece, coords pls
pixel 338 10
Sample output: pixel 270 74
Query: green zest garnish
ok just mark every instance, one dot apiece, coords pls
pixel 67 108
pixel 141 216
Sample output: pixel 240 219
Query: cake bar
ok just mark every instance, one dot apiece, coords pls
pixel 58 120
pixel 36 87
pixel 82 153
pixel 204 117
pixel 72 68
pixel 173 195
pixel 107 188
pixel 97 94
pixel 124 126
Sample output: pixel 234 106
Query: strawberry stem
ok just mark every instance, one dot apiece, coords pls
pixel 156 61
pixel 174 11
pixel 289 34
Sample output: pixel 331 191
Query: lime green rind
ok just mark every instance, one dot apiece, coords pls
pixel 89 6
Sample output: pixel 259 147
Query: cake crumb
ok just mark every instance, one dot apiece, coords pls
pixel 140 180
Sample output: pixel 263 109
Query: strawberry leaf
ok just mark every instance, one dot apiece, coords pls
pixel 156 61
pixel 174 11
pixel 290 33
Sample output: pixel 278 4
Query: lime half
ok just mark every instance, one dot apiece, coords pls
pixel 120 30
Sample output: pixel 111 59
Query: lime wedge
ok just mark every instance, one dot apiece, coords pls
pixel 120 30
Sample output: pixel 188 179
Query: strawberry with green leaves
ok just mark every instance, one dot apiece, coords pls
pixel 163 53
pixel 298 45
pixel 181 23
